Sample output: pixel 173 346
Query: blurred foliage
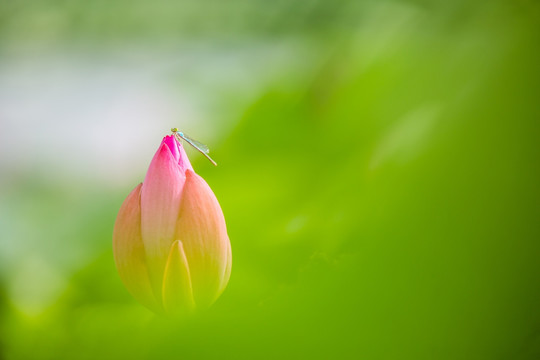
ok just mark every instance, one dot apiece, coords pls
pixel 382 199
pixel 187 18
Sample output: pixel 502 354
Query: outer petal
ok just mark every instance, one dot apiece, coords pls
pixel 160 202
pixel 129 253
pixel 177 290
pixel 201 226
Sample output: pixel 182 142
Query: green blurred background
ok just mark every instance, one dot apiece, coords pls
pixel 378 171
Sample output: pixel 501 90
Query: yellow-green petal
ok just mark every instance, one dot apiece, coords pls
pixel 177 288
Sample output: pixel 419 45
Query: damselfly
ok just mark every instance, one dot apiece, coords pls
pixel 203 149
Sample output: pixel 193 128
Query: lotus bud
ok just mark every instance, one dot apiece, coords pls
pixel 170 241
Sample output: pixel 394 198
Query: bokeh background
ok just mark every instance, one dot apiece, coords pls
pixel 378 171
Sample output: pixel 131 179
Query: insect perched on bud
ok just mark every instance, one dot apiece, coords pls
pixel 203 149
pixel 170 240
